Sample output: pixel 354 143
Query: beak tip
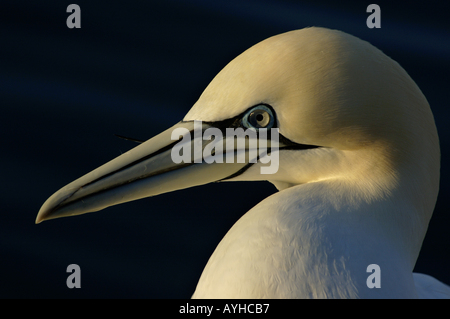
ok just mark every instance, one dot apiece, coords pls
pixel 39 218
pixel 44 213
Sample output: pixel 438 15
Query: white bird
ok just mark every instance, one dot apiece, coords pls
pixel 358 173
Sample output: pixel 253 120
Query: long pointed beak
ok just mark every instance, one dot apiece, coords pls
pixel 144 171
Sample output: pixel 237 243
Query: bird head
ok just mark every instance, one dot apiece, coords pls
pixel 340 108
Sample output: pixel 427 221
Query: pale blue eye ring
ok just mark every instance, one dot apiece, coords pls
pixel 258 117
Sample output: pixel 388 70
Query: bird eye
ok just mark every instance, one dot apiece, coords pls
pixel 258 117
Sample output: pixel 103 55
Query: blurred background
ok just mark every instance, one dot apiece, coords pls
pixel 135 68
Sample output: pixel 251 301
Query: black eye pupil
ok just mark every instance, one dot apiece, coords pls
pixel 259 117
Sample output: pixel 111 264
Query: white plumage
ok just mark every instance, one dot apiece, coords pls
pixel 364 196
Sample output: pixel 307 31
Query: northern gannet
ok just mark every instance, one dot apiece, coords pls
pixel 358 172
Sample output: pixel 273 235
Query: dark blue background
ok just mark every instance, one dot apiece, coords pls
pixel 135 68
